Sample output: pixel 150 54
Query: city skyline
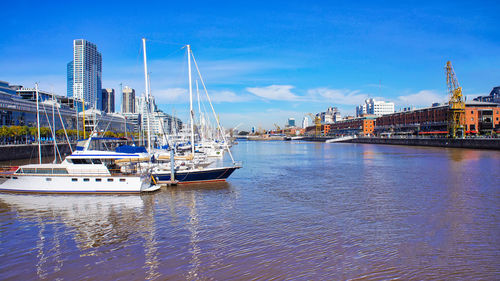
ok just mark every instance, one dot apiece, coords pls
pixel 262 66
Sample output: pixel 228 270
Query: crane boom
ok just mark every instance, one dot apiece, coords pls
pixel 456 115
pixel 317 123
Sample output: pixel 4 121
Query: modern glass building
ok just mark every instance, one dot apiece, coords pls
pixel 84 78
pixel 69 78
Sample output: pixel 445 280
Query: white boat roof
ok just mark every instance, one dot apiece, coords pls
pixel 104 154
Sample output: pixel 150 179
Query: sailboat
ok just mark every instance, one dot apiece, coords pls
pixel 190 172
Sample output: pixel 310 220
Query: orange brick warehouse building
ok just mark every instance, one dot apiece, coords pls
pixel 480 118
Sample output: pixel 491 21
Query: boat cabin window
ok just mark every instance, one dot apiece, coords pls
pixel 74 179
pixel 122 180
pixel 86 179
pixel 81 161
pixel 96 161
pixel 48 179
pixel 50 171
pixel 110 179
pixel 98 180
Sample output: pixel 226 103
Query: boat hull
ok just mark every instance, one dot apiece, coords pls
pixel 74 184
pixel 197 176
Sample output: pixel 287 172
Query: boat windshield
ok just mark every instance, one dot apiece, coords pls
pixel 85 161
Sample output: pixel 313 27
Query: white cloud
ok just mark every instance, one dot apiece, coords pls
pixel 227 96
pixel 181 95
pixel 171 95
pixel 275 92
pixel 422 98
pixel 337 96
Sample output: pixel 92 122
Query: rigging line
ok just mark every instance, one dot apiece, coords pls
pixel 174 52
pixel 53 133
pixel 213 110
pixel 64 128
pixel 165 42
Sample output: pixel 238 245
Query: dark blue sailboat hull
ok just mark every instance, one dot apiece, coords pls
pixel 207 175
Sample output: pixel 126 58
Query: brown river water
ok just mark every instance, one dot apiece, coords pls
pixel 296 211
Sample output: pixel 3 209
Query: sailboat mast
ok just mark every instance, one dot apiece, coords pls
pixel 54 126
pixel 202 123
pixel 38 126
pixel 147 92
pixel 191 113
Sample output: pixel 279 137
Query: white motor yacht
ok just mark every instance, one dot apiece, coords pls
pixel 75 175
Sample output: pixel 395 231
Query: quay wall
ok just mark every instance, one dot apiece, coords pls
pixel 27 151
pixel 476 143
pixel 262 138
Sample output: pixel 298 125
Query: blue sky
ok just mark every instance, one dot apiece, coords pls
pixel 263 61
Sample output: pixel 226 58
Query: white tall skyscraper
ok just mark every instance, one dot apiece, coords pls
pixel 85 73
pixel 305 122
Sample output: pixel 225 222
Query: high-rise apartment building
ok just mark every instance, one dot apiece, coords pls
pixel 85 73
pixel 128 101
pixel 305 122
pixel 108 100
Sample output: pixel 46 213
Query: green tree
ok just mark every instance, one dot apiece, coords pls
pixel 23 132
pixel 44 131
pixel 14 132
pixel 4 133
pixel 110 134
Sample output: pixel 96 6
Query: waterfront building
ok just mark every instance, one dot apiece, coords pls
pixel 84 73
pixel 108 100
pixel 480 118
pixel 128 100
pixel 372 106
pixel 30 94
pixel 291 122
pixel 18 108
pixel 6 88
pixel 494 96
pixel 350 126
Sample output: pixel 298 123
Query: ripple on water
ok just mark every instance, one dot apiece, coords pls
pixel 296 211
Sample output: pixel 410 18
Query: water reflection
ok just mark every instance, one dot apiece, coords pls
pixel 459 155
pixel 97 224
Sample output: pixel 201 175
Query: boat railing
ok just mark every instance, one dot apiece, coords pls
pixel 8 169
